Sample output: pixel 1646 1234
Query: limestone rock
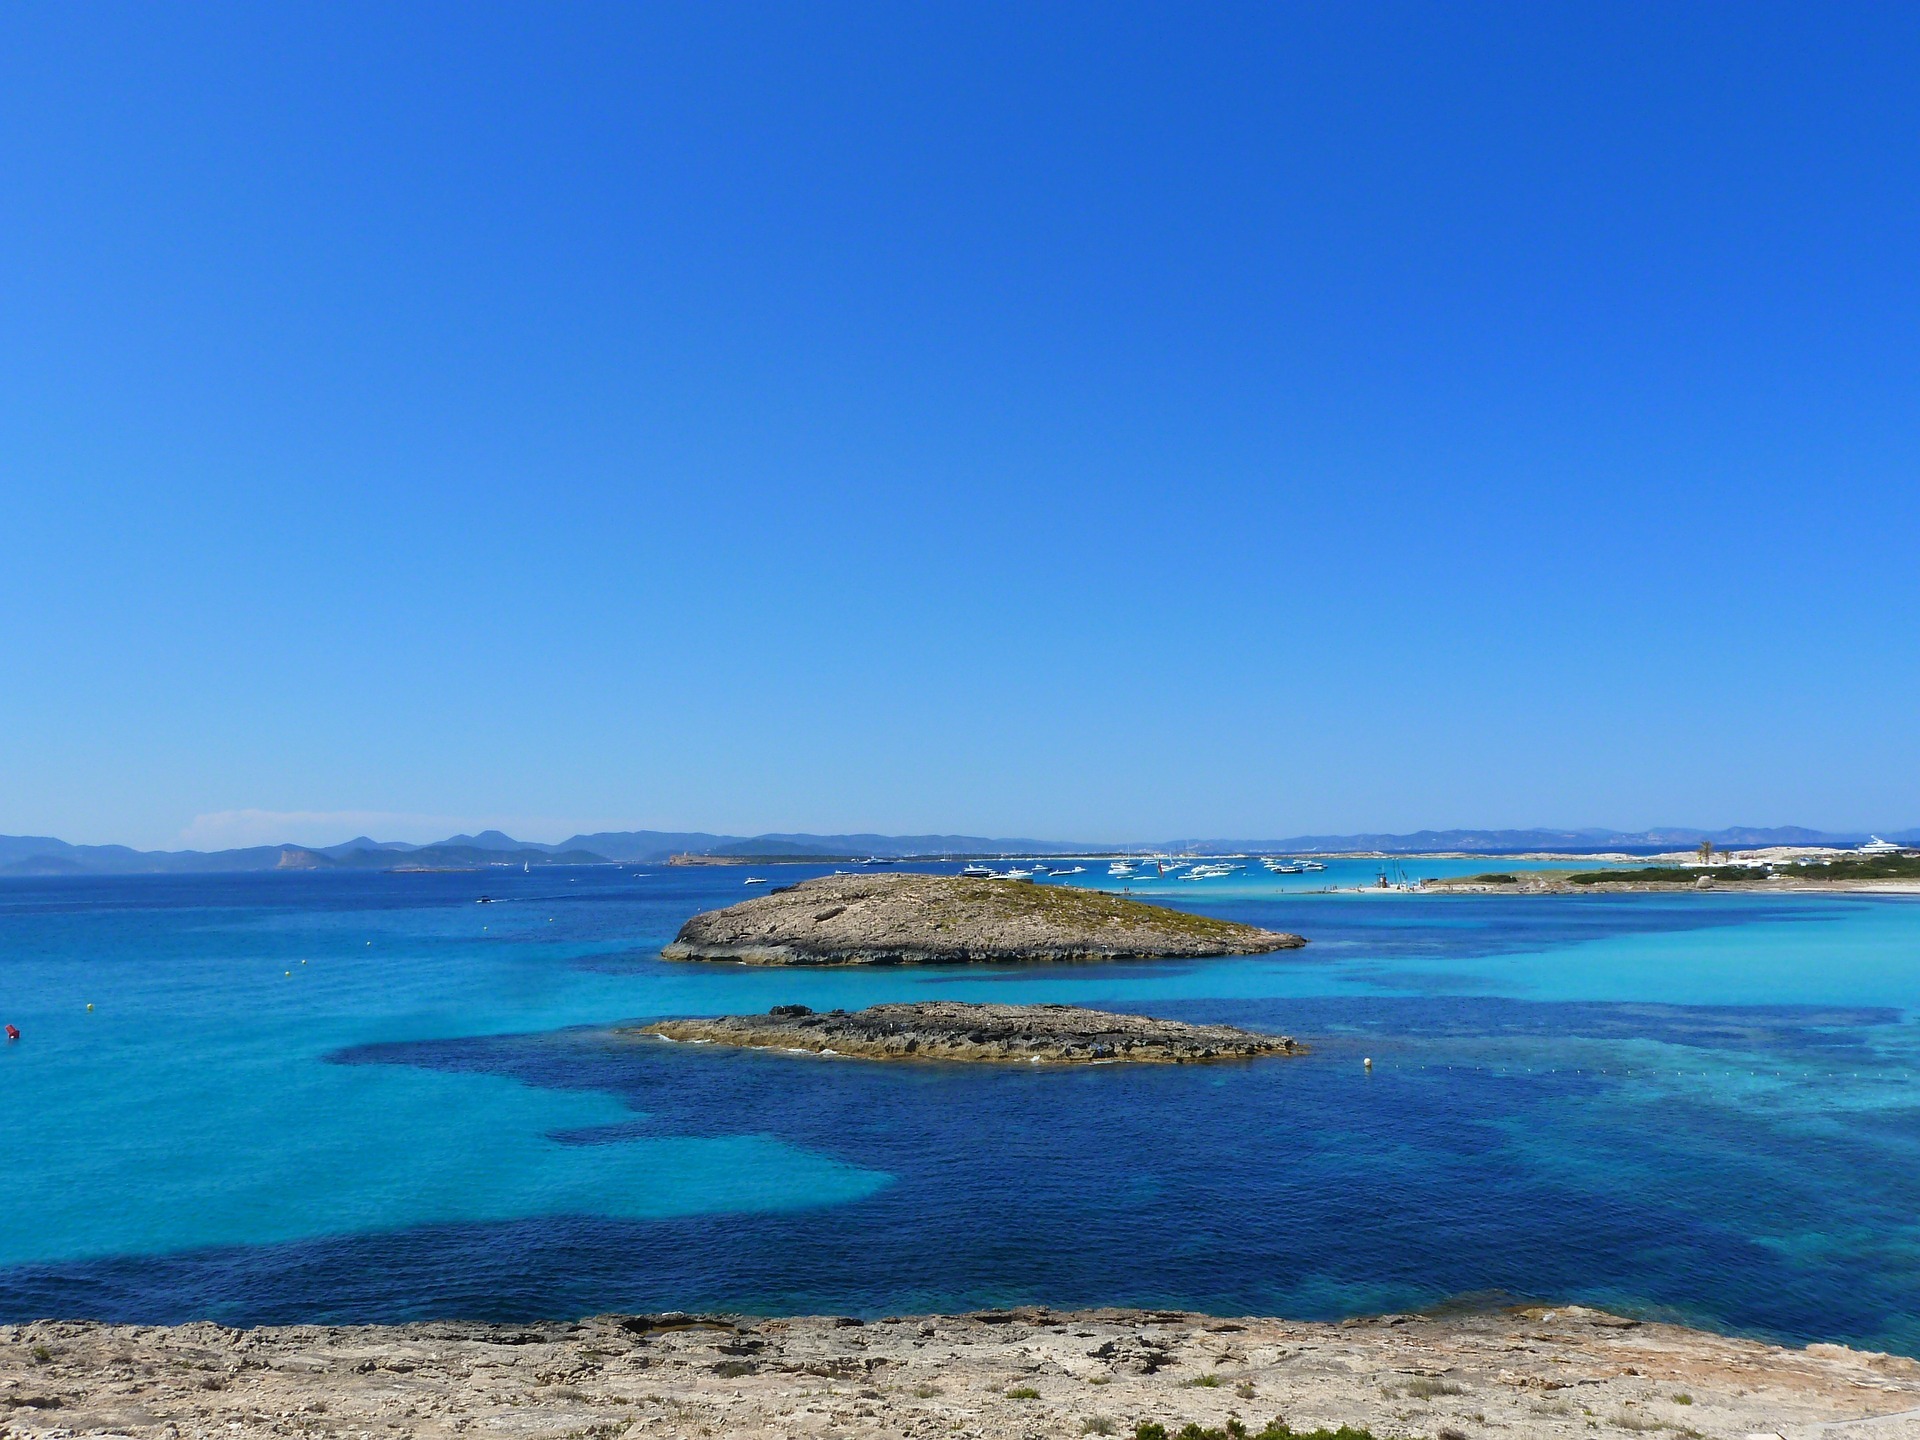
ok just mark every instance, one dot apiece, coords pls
pixel 949 919
pixel 954 1030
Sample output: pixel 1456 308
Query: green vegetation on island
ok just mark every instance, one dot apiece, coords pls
pixel 1864 867
pixel 1665 875
pixel 1809 871
pixel 1236 1430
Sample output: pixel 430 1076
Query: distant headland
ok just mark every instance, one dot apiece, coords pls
pixel 1777 871
pixel 43 855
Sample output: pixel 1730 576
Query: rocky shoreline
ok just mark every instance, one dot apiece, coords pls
pixel 948 920
pixel 1003 1375
pixel 994 1034
pixel 1554 882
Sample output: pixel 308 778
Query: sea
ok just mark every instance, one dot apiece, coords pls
pixel 346 1097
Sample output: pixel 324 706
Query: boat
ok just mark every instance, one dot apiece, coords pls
pixel 484 900
pixel 753 880
pixel 1310 865
pixel 1075 870
pixel 1209 872
pixel 1876 846
pixel 977 872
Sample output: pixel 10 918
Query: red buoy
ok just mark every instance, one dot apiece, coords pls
pixel 13 1032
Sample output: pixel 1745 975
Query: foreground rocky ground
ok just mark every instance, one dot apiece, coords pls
pixel 950 919
pixel 956 1030
pixel 1021 1373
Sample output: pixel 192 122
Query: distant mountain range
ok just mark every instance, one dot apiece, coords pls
pixel 43 855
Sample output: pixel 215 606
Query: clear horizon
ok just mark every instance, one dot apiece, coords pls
pixel 245 830
pixel 1095 421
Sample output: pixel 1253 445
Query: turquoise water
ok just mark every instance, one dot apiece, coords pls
pixel 1251 880
pixel 366 1097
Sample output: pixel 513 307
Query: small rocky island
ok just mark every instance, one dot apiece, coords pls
pixel 951 919
pixel 954 1030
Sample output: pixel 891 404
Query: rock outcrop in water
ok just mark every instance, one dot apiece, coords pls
pixel 953 1030
pixel 949 919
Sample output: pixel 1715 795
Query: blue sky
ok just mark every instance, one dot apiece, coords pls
pixel 1090 420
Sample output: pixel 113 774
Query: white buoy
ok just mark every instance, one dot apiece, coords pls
pixel 1368 1062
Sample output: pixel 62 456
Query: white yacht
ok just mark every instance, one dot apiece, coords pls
pixel 1876 846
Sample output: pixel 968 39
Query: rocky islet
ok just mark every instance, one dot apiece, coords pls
pixel 957 1031
pixel 955 920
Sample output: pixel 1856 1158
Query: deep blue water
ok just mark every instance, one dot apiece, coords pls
pixel 1698 1106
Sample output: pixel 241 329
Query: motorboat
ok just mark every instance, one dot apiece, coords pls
pixel 753 880
pixel 977 872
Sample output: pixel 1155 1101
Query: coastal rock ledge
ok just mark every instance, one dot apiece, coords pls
pixel 1531 1373
pixel 950 919
pixel 954 1030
